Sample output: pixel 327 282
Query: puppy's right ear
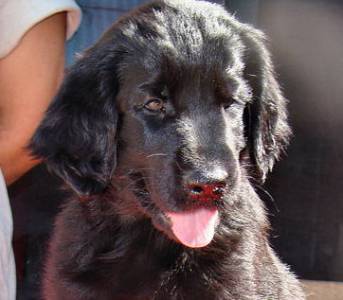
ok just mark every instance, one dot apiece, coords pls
pixel 77 137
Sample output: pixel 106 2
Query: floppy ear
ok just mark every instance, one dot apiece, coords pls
pixel 77 136
pixel 266 122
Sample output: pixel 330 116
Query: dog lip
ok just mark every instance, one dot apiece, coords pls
pixel 192 226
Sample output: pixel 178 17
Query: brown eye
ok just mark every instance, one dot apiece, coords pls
pixel 154 105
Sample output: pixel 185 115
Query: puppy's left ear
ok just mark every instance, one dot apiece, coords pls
pixel 77 137
pixel 266 121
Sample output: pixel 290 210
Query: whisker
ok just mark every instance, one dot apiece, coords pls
pixel 178 166
pixel 156 154
pixel 269 196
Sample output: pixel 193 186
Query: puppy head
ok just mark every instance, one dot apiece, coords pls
pixel 163 110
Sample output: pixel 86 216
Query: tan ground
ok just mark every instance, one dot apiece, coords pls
pixel 323 290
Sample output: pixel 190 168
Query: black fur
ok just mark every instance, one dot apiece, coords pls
pixel 223 119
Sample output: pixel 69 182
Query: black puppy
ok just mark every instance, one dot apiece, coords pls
pixel 158 129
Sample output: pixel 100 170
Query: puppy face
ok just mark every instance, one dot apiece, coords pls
pixel 165 111
pixel 181 135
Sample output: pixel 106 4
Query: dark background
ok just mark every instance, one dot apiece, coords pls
pixel 306 39
pixel 303 194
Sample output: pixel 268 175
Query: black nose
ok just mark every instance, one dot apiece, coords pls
pixel 206 191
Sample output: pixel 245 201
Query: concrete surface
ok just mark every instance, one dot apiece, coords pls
pixel 323 290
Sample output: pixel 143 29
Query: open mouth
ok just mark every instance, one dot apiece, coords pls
pixel 193 227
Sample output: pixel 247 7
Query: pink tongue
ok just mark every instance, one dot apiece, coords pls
pixel 195 228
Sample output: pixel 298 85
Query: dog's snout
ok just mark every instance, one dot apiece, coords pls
pixel 208 186
pixel 206 191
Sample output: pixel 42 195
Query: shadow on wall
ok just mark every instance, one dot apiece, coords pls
pixel 307 43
